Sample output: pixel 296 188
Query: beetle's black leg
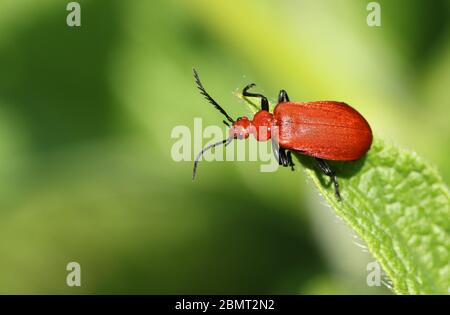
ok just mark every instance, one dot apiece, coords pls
pixel 279 153
pixel 289 158
pixel 283 158
pixel 283 97
pixel 327 170
pixel 286 158
pixel 264 101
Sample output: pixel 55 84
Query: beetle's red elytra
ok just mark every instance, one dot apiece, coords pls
pixel 325 130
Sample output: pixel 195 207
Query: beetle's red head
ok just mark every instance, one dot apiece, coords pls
pixel 241 128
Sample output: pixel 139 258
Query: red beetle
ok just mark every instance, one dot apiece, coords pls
pixel 325 130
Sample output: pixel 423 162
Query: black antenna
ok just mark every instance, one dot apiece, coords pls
pixel 225 142
pixel 208 97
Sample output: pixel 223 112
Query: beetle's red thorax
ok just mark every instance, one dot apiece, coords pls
pixel 262 125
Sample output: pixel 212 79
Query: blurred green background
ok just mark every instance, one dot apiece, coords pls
pixel 86 114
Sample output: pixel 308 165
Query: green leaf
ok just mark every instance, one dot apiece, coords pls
pixel 398 204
